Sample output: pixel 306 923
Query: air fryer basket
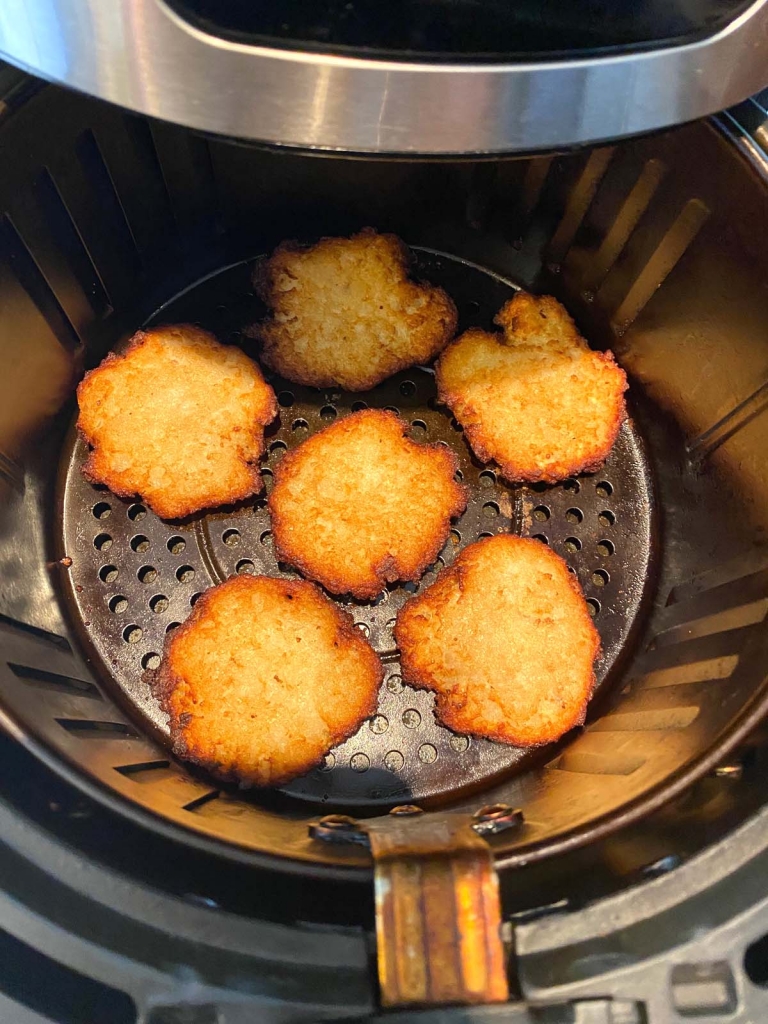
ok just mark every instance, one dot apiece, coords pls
pixel 134 577
pixel 110 222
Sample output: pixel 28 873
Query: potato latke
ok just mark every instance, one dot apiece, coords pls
pixel 264 678
pixel 360 505
pixel 535 398
pixel 178 419
pixel 345 312
pixel 505 640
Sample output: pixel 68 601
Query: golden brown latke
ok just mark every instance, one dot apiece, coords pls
pixel 264 677
pixel 178 419
pixel 360 505
pixel 535 398
pixel 344 312
pixel 505 640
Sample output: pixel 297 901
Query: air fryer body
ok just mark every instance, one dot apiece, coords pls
pixel 633 887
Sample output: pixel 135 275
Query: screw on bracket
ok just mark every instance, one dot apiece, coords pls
pixel 495 818
pixel 403 810
pixel 338 828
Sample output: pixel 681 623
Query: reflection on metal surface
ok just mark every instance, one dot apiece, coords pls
pixel 139 54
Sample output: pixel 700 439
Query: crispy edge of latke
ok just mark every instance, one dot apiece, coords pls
pixel 386 570
pixel 164 680
pixel 445 703
pixel 164 509
pixel 262 279
pixel 479 437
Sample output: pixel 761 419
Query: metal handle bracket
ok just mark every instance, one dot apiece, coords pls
pixel 438 915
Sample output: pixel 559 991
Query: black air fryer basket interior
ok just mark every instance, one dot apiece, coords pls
pixel 110 222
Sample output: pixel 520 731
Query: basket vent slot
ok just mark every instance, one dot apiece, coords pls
pixel 51 680
pixel 600 764
pixel 107 201
pixel 201 801
pixel 41 634
pixel 86 728
pixel 185 164
pixel 650 719
pixel 659 265
pixel 709 669
pixel 147 771
pixel 635 204
pixel 579 202
pixel 69 242
pixel 130 162
pixel 26 271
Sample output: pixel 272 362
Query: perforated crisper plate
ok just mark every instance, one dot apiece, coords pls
pixel 134 577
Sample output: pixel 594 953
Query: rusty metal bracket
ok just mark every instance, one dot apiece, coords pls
pixel 438 915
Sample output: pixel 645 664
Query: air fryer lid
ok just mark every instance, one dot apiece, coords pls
pixel 437 77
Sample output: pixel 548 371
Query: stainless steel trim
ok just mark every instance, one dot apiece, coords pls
pixel 141 55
